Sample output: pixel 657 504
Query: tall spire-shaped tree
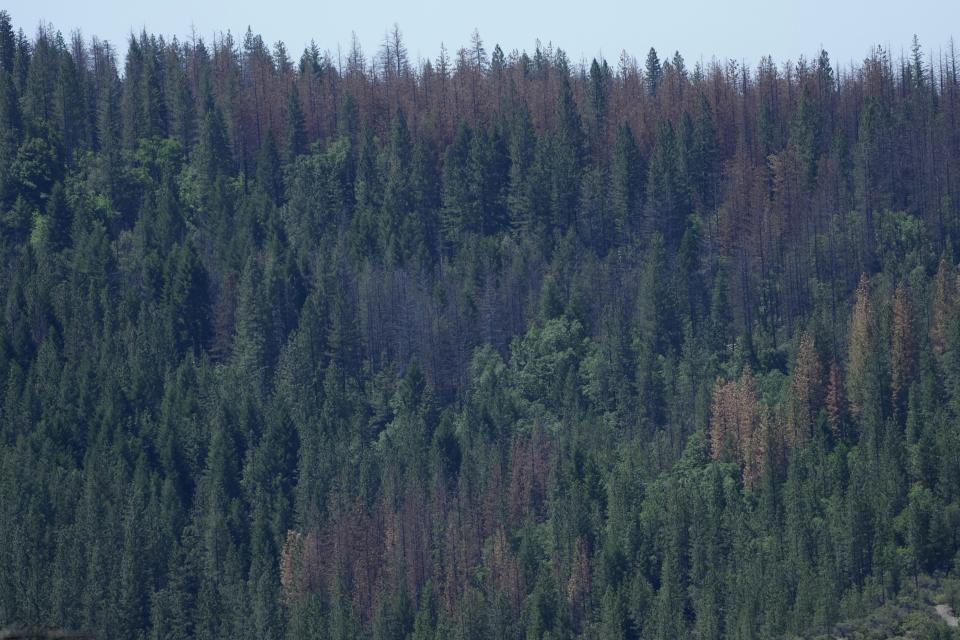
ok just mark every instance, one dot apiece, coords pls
pixel 295 125
pixel 864 372
pixel 628 177
pixel 566 156
pixel 654 72
pixel 903 350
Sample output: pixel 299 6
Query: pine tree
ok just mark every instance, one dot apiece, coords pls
pixel 181 110
pixel 627 180
pixel 654 72
pixel 368 194
pixel 252 326
pixel 59 218
pixel 599 79
pixel 566 158
pixel 739 428
pixel 703 163
pixel 269 173
pixel 426 189
pixel 521 201
pixel 108 135
pixel 459 213
pixel 7 44
pixel 212 153
pixel 836 401
pixel 400 239
pixel 153 104
pixel 944 295
pixel 863 360
pixel 185 295
pixel 489 171
pixel 667 205
pixel 903 350
pixel 69 104
pixel 657 332
pixel 296 130
pixel 805 136
pixel 805 392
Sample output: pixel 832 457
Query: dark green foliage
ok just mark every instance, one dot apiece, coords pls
pixel 628 178
pixel 667 195
pixel 565 155
pixel 269 176
pixel 296 134
pixel 498 348
pixel 654 72
pixel 703 162
pixel 212 153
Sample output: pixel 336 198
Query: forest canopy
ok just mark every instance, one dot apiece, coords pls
pixel 492 345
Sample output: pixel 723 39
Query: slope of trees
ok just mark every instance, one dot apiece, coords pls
pixel 487 346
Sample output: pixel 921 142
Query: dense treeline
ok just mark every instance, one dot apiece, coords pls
pixel 487 346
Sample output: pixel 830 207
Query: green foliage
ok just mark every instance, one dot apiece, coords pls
pixel 485 348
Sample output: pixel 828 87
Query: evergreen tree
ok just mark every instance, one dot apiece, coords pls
pixel 212 153
pixel 654 72
pixel 703 162
pixel 805 136
pixel 296 132
pixel 252 325
pixel 627 181
pixel 864 372
pixel 459 211
pixel 566 158
pixel 456 370
pixel 58 218
pixel 269 174
pixel 185 295
pixel 666 194
pixel 7 43
pixel 400 236
pixel 598 94
pixel 522 202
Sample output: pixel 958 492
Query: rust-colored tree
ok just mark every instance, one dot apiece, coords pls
pixel 836 401
pixel 740 427
pixel 290 558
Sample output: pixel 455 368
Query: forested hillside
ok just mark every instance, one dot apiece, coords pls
pixel 494 345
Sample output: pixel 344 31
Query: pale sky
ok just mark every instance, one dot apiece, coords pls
pixel 700 29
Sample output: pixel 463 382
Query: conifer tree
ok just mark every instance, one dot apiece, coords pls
pixel 185 295
pixel 836 401
pixel 598 96
pixel 459 213
pixel 666 194
pixel 654 72
pixel 944 295
pixel 269 174
pixel 863 360
pixel 805 392
pixel 903 350
pixel 627 181
pixel 399 238
pixel 566 158
pixel 296 131
pixel 703 163
pixel 212 153
pixel 521 201
pixel 250 343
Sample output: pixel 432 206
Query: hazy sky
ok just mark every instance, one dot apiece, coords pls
pixel 742 29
